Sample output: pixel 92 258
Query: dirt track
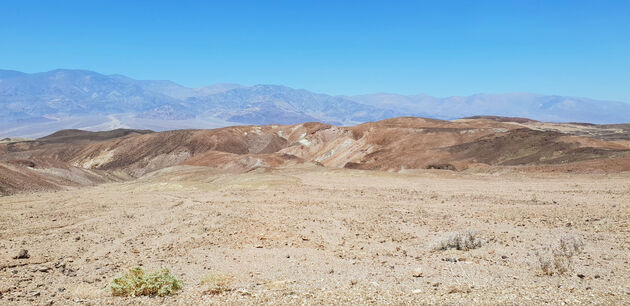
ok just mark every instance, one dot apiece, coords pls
pixel 321 236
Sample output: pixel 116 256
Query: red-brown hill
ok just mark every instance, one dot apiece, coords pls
pixel 74 157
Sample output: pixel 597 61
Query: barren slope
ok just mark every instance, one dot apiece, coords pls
pixel 391 145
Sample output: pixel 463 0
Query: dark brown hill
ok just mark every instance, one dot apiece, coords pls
pixel 73 136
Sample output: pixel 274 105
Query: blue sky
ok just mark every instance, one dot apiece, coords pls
pixel 441 48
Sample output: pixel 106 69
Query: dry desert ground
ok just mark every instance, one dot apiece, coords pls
pixel 312 235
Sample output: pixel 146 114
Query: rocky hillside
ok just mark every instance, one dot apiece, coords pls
pixel 74 157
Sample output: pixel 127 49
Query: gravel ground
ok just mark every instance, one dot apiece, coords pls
pixel 316 236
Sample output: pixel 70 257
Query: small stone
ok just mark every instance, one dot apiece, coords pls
pixel 597 276
pixel 416 291
pixel 417 273
pixel 43 269
pixel 23 254
pixel 580 275
pixel 504 257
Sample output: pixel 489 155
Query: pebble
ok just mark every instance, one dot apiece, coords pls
pixel 417 272
pixel 22 254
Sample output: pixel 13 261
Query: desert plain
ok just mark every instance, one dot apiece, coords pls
pixel 319 236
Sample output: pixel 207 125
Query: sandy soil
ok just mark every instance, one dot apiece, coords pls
pixel 321 236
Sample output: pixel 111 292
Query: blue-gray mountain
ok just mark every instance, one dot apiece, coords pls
pixel 41 103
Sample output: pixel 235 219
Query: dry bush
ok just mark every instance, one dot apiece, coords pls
pixel 217 283
pixel 465 241
pixel 558 257
pixel 136 283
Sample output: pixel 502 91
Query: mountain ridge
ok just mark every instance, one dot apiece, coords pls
pixel 39 103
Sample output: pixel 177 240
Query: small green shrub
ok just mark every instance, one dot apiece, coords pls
pixel 136 283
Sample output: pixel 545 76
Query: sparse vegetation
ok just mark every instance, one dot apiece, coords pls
pixel 464 241
pixel 217 283
pixel 558 258
pixel 136 283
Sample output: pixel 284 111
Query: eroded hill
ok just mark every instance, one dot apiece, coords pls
pixel 73 157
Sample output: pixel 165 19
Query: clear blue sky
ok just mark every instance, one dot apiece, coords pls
pixel 441 48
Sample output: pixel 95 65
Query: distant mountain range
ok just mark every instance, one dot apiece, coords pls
pixel 41 103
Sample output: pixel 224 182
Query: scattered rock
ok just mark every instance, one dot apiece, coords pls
pixel 6 289
pixel 68 272
pixel 580 275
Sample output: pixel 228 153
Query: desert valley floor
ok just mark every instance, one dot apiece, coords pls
pixel 321 236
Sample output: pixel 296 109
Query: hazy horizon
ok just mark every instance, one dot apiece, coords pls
pixel 318 92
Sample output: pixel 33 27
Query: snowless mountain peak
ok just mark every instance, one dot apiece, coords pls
pixel 90 100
